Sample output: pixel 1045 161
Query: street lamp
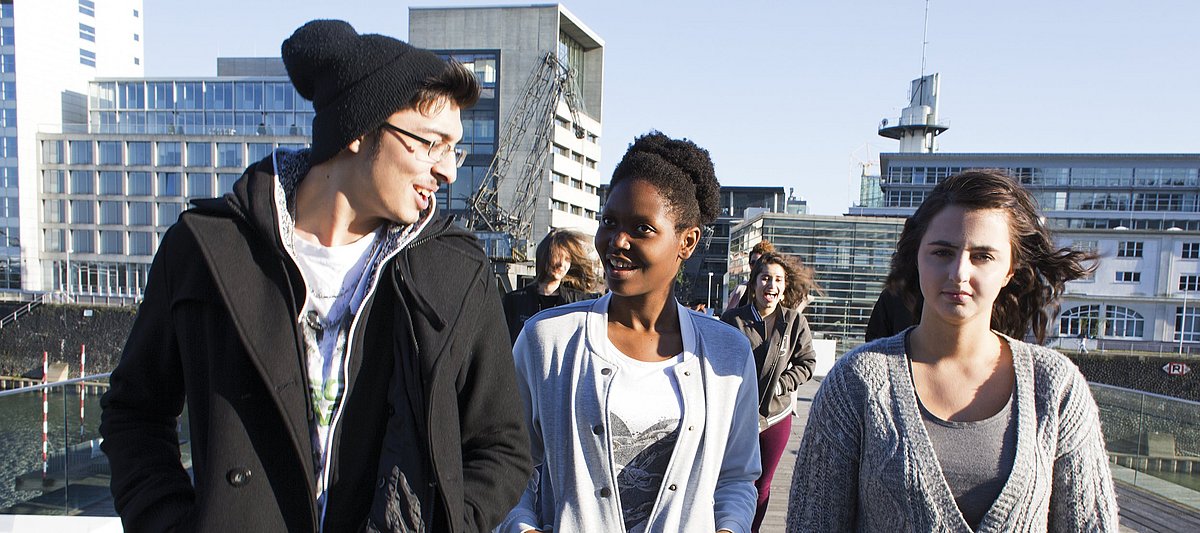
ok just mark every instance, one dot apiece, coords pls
pixel 708 300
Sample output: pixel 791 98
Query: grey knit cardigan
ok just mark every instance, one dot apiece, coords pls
pixel 866 462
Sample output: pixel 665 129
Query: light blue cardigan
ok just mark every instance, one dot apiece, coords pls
pixel 565 376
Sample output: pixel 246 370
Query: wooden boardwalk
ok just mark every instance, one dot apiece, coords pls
pixel 1141 511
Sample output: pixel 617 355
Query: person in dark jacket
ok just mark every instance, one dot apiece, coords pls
pixel 338 346
pixel 778 290
pixel 889 316
pixel 566 273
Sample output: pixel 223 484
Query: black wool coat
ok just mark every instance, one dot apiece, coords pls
pixel 218 331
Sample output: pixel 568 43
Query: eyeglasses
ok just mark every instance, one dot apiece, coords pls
pixel 437 149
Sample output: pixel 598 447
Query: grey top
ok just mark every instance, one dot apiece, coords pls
pixel 866 462
pixel 976 457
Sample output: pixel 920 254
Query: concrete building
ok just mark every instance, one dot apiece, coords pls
pixel 851 256
pixel 49 51
pixel 112 185
pixel 506 44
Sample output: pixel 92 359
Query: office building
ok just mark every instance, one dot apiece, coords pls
pixel 112 186
pixel 851 256
pixel 507 45
pixel 49 51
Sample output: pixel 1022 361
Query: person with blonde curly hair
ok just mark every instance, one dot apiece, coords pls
pixel 566 273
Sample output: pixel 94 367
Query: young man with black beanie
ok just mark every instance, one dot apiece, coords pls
pixel 340 349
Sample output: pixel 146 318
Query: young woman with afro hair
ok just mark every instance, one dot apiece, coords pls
pixel 643 415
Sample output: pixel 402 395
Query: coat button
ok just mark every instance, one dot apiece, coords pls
pixel 606 371
pixel 605 492
pixel 391 410
pixel 672 487
pixel 687 372
pixel 238 477
pixel 598 429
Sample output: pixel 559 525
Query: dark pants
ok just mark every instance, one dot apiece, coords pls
pixel 771 443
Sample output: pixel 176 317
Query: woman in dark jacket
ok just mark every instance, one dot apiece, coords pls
pixel 566 273
pixel 783 352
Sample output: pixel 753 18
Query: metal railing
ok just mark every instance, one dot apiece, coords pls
pixel 24 309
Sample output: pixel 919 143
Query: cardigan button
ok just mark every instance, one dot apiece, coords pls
pixel 672 487
pixel 598 429
pixel 605 492
pixel 687 372
pixel 691 428
pixel 606 371
pixel 238 477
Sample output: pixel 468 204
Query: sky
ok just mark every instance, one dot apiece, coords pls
pixel 790 93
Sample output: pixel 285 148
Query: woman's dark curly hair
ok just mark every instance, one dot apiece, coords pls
pixel 681 171
pixel 1040 271
pixel 800 280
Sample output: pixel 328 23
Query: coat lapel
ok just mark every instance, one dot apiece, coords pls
pixel 253 286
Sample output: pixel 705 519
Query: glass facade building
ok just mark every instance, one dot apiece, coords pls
pixel 851 257
pixel 10 222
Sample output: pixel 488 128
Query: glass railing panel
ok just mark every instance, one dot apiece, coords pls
pixel 1153 441
pixel 61 470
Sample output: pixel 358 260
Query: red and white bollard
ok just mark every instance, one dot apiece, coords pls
pixel 45 415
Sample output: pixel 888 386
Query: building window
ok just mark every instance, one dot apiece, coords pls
pixel 1191 250
pixel 52 152
pixel 81 152
pixel 229 154
pixel 139 242
pixel 168 154
pixel 83 182
pixel 137 38
pixel 138 153
pixel 169 213
pixel 1085 318
pixel 139 184
pixel 83 241
pixel 1187 324
pixel 54 181
pixel 87 57
pixel 139 214
pixel 112 242
pixel 199 154
pixel 1123 322
pixel 1129 249
pixel 225 182
pixel 1085 246
pixel 169 184
pixel 137 61
pixel 87 7
pixel 1189 282
pixel 83 212
pixel 1129 277
pixel 112 213
pixel 53 210
pixel 111 153
pixel 199 185
pixel 87 33
pixel 112 183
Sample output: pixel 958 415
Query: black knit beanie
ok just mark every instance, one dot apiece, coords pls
pixel 354 81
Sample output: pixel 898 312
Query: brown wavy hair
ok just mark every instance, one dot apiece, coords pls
pixel 584 272
pixel 1040 271
pixel 800 279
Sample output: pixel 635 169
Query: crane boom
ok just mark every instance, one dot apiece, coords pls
pixel 505 231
